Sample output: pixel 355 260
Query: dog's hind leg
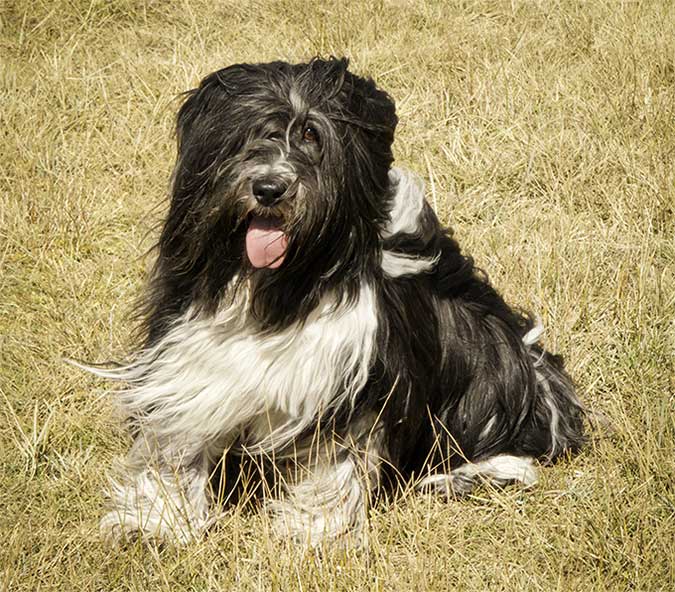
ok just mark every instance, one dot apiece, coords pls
pixel 552 428
pixel 161 493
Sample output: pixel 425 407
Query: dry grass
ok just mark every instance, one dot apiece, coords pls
pixel 547 130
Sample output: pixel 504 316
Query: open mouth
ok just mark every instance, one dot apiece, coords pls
pixel 266 242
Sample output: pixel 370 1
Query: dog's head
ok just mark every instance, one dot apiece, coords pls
pixel 281 178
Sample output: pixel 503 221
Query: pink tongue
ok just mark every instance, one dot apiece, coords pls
pixel 266 243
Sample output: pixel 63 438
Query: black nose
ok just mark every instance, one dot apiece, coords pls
pixel 268 191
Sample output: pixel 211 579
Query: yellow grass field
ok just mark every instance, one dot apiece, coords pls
pixel 545 131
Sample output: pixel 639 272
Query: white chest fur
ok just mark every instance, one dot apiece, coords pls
pixel 212 377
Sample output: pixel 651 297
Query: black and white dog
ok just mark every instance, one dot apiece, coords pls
pixel 308 310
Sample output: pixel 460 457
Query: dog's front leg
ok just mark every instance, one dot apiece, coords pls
pixel 161 493
pixel 326 499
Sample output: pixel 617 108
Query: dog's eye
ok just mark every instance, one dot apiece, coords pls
pixel 310 135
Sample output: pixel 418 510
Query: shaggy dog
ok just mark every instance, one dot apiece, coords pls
pixel 309 313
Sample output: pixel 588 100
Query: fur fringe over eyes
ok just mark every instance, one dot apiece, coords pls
pixel 308 314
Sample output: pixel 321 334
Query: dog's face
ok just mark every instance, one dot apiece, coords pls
pixel 281 178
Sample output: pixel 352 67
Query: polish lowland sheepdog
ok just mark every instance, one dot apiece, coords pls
pixel 308 315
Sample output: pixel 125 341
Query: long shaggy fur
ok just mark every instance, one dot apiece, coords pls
pixel 369 346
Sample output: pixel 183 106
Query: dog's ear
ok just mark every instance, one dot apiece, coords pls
pixel 374 107
pixel 322 79
pixel 367 106
pixel 373 120
pixel 194 132
pixel 209 109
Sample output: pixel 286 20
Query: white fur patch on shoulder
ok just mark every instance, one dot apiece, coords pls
pixel 407 205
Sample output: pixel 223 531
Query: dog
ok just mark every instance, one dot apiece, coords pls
pixel 308 312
